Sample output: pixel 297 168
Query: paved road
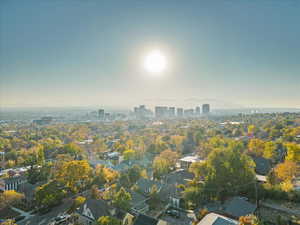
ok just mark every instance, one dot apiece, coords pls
pixel 26 215
pixel 281 208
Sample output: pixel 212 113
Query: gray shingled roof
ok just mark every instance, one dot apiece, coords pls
pixel 238 207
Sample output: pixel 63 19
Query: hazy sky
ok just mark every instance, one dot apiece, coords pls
pixel 90 52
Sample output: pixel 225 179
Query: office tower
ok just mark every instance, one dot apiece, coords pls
pixel 205 109
pixel 161 111
pixel 197 111
pixel 172 111
pixel 179 112
pixel 189 112
pixel 101 114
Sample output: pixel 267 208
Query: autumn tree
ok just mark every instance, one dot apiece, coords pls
pixel 293 152
pixel 129 154
pixel 8 222
pixel 75 174
pixel 170 156
pixel 249 220
pixel 107 220
pixel 287 170
pixel 269 150
pixel 10 197
pixel 78 201
pixel 256 147
pixel 160 167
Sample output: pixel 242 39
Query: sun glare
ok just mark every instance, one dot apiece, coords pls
pixel 155 62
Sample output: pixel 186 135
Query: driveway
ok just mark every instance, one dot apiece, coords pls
pixel 186 218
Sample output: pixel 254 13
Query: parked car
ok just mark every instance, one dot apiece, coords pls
pixel 173 212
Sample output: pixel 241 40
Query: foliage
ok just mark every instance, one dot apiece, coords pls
pixel 160 167
pixel 10 197
pixel 8 222
pixel 49 195
pixel 122 199
pixel 286 171
pixel 75 174
pixel 293 152
pixel 78 201
pixel 249 220
pixel 107 220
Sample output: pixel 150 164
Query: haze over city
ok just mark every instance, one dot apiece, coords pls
pixel 62 53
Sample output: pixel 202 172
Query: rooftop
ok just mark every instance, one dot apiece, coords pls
pixel 216 219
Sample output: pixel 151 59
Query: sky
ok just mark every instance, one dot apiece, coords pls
pixel 90 52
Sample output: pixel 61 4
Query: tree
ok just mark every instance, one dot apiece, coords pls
pixel 78 201
pixel 8 222
pixel 72 149
pixel 134 173
pixel 269 150
pixel 170 156
pixel 75 174
pixel 225 172
pixel 107 220
pixel 160 167
pixel 256 147
pixel 129 154
pixel 10 197
pixel 105 175
pixel 95 193
pixel 122 199
pixel 49 195
pixel 286 171
pixel 293 152
pixel 249 220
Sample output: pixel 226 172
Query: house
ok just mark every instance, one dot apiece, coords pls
pixel 216 219
pixel 142 219
pixel 262 165
pixel 138 202
pixel 92 209
pixel 170 191
pixel 12 183
pixel 144 186
pixel 186 161
pixel 237 207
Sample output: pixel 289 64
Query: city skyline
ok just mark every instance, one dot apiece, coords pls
pixel 91 53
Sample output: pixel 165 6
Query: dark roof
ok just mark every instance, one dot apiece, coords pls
pixel 97 207
pixel 238 207
pixel 169 189
pixel 145 220
pixel 263 165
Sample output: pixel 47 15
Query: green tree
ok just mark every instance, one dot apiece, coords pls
pixel 122 199
pixel 49 195
pixel 160 167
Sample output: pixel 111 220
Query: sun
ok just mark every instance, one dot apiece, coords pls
pixel 155 62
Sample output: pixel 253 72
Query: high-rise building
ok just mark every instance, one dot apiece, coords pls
pixel 205 109
pixel 197 111
pixel 161 111
pixel 172 111
pixel 188 112
pixel 101 114
pixel 179 112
